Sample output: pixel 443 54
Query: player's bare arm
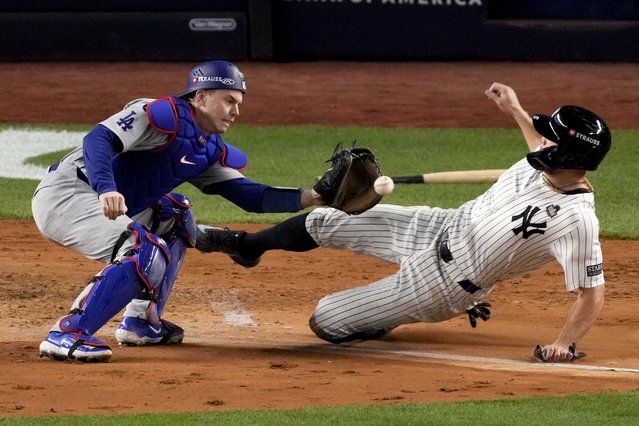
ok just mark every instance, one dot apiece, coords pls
pixel 581 318
pixel 506 100
pixel 113 204
pixel 310 198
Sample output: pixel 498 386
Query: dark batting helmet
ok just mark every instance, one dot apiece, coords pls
pixel 582 139
pixel 214 75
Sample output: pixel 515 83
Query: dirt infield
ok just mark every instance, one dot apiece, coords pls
pixel 247 344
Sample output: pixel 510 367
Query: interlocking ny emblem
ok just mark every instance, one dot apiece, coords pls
pixel 528 228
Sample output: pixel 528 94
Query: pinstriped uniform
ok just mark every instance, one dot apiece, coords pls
pixel 516 226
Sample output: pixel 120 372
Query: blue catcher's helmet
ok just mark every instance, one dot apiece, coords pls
pixel 582 139
pixel 214 75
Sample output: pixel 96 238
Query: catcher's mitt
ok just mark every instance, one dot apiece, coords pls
pixel 348 184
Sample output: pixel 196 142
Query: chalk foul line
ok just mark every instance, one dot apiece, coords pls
pixel 473 361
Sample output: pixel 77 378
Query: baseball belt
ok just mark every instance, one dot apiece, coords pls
pixel 447 256
pixel 81 175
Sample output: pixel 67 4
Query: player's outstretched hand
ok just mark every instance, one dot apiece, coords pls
pixel 478 310
pixel 557 353
pixel 504 96
pixel 113 204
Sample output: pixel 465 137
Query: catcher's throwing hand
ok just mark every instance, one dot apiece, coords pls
pixel 113 204
pixel 348 184
pixel 557 353
pixel 478 310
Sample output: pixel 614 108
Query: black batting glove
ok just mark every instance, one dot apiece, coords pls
pixel 478 310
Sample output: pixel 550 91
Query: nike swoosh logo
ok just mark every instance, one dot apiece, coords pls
pixel 183 160
pixel 155 330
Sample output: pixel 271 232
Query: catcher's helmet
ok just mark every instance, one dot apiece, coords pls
pixel 214 75
pixel 582 138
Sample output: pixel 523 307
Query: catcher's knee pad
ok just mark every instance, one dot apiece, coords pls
pixel 141 267
pixel 177 251
pixel 150 255
pixel 173 218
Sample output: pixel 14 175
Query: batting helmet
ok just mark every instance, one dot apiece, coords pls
pixel 214 75
pixel 582 139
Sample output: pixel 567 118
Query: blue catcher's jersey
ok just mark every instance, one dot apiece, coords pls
pixel 144 176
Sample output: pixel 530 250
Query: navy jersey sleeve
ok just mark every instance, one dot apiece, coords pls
pixel 98 148
pixel 256 197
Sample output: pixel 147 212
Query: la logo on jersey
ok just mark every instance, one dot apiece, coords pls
pixel 126 122
pixel 527 227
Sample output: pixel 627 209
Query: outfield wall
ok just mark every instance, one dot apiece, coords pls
pixel 134 30
pixel 289 30
pixel 458 29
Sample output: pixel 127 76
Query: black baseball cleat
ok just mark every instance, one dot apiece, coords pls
pixel 223 240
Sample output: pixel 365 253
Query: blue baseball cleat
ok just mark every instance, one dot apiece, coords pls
pixel 136 331
pixel 62 346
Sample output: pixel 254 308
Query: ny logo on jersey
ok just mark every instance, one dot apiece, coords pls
pixel 528 228
pixel 126 122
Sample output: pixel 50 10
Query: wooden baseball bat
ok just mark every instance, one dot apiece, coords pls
pixel 488 175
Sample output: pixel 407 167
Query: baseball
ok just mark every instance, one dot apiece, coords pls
pixel 384 185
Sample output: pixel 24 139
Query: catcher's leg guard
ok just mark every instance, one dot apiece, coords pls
pixel 112 288
pixel 176 225
pixel 106 294
pixel 142 324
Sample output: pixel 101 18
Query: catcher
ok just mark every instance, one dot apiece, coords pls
pixel 540 209
pixel 111 201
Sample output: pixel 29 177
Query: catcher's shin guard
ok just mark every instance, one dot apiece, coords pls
pixel 156 307
pixel 175 223
pixel 112 288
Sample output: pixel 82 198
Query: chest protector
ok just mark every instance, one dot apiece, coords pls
pixel 144 176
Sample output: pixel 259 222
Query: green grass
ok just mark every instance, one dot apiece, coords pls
pixel 617 409
pixel 294 156
pixel 15 198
